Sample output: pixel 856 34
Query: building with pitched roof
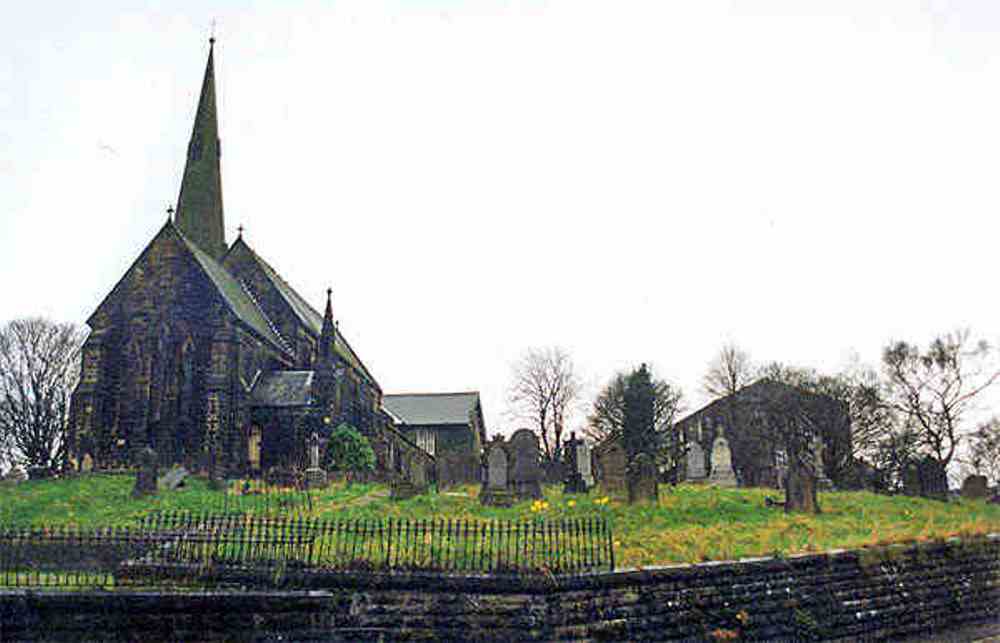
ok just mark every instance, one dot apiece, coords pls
pixel 204 353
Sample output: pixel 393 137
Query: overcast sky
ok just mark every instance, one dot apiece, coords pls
pixel 632 181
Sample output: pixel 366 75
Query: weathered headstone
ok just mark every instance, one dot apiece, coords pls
pixel 612 462
pixel 172 479
pixel 933 479
pixel 315 476
pixel 496 483
pixel 695 462
pixel 583 463
pixel 147 473
pixel 722 464
pixel 526 472
pixel 642 479
pixel 911 480
pixel 574 482
pixel 819 468
pixel 975 487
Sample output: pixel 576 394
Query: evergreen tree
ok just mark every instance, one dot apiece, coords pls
pixel 348 451
pixel 639 434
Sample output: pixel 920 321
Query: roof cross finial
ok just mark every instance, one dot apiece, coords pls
pixel 211 39
pixel 239 229
pixel 170 212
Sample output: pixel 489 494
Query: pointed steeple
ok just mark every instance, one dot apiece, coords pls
pixel 199 206
pixel 328 334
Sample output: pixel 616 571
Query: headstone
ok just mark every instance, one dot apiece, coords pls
pixel 574 482
pixel 496 484
pixel 526 472
pixel 642 479
pixel 819 468
pixel 722 464
pixel 612 463
pixel 496 468
pixel 172 479
pixel 583 463
pixel 911 480
pixel 975 487
pixel 695 462
pixel 933 479
pixel 315 476
pixel 147 473
pixel 88 463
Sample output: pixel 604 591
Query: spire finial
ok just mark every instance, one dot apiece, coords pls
pixel 211 38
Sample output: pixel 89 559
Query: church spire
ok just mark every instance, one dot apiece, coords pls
pixel 328 334
pixel 199 206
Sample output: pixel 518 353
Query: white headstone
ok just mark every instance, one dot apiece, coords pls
pixel 695 462
pixel 722 464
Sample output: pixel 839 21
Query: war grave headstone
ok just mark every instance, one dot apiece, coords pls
pixel 526 472
pixel 975 487
pixel 147 473
pixel 496 489
pixel 612 462
pixel 722 464
pixel 574 482
pixel 315 476
pixel 642 479
pixel 695 462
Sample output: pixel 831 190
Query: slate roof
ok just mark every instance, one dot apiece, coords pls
pixel 282 388
pixel 307 315
pixel 432 408
pixel 235 295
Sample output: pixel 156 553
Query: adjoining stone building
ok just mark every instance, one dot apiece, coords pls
pixel 204 353
pixel 758 460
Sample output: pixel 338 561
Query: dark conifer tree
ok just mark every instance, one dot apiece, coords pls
pixel 640 429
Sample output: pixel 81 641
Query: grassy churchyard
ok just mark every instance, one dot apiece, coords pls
pixel 690 524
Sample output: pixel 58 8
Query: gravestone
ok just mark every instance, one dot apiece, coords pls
pixel 911 480
pixel 496 491
pixel 975 487
pixel 574 482
pixel 933 479
pixel 612 463
pixel 172 479
pixel 315 476
pixel 583 463
pixel 147 473
pixel 695 462
pixel 642 479
pixel 526 472
pixel 822 482
pixel 88 463
pixel 722 464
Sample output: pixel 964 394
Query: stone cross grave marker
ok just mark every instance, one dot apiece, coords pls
pixel 583 463
pixel 695 462
pixel 722 464
pixel 526 474
pixel 642 479
pixel 315 475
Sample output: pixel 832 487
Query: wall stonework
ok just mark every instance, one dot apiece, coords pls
pixel 874 594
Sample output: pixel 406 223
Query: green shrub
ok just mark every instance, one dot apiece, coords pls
pixel 349 452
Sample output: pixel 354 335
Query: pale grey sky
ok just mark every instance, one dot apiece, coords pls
pixel 633 181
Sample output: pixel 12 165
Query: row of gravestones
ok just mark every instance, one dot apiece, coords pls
pixel 511 469
pixel 722 473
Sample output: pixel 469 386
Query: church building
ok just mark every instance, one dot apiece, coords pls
pixel 204 353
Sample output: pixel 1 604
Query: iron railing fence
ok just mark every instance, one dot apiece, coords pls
pixel 206 549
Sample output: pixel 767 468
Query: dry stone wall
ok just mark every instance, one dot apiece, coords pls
pixel 873 594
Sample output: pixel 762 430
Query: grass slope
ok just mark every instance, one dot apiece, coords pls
pixel 690 524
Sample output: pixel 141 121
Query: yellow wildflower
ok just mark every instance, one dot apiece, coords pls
pixel 571 503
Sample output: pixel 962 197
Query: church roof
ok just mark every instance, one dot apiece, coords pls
pixel 306 314
pixel 282 388
pixel 432 408
pixel 234 294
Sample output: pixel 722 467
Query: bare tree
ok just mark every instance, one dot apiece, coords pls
pixel 39 367
pixel 729 371
pixel 544 387
pixel 934 390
